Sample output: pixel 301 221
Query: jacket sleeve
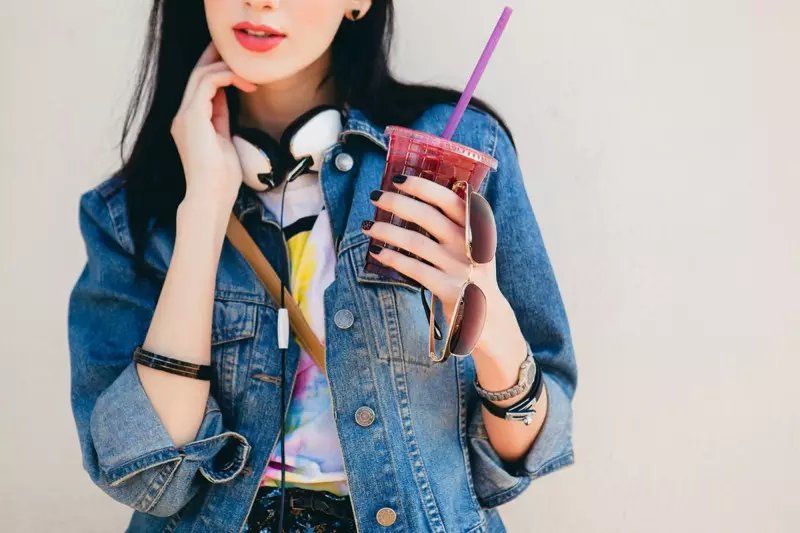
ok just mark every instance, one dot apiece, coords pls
pixel 526 279
pixel 126 449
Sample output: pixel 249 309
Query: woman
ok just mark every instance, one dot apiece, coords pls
pixel 388 439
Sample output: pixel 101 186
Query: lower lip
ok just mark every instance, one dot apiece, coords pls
pixel 258 44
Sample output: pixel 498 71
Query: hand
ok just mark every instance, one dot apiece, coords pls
pixel 442 213
pixel 201 132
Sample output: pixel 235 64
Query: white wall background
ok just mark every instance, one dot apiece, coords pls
pixel 659 141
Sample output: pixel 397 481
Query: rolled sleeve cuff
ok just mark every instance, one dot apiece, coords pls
pixel 552 448
pixel 499 481
pixel 130 438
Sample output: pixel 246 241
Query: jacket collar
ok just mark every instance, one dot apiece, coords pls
pixel 356 123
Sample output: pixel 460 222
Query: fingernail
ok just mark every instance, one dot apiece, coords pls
pixel 375 195
pixel 367 225
pixel 375 249
pixel 399 179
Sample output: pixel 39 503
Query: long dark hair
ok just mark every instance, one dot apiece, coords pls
pixel 177 35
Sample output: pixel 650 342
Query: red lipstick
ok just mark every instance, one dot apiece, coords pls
pixel 257 37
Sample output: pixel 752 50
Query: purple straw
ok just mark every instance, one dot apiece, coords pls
pixel 466 96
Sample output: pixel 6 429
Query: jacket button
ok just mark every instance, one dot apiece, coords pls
pixel 344 162
pixel 365 416
pixel 386 517
pixel 343 319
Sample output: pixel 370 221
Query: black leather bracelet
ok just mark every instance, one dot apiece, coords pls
pixel 523 410
pixel 173 366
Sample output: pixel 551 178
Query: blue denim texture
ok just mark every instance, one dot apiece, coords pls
pixel 426 456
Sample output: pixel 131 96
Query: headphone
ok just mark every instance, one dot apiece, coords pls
pixel 266 165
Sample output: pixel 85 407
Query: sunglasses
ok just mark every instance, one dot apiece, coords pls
pixel 469 315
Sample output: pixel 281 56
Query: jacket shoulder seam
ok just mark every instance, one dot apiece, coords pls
pixel 111 186
pixel 495 126
pixel 93 202
pixel 114 224
pixel 108 191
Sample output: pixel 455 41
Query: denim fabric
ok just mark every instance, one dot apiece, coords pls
pixel 426 456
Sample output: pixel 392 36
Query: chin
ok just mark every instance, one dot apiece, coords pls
pixel 263 71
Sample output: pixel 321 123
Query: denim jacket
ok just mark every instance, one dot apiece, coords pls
pixel 426 454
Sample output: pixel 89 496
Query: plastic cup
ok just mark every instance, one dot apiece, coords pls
pixel 414 153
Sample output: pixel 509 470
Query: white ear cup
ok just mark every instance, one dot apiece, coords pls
pixel 265 162
pixel 315 136
pixel 253 161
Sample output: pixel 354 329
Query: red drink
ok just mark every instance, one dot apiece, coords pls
pixel 414 153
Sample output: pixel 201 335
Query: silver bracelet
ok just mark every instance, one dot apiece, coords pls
pixel 527 372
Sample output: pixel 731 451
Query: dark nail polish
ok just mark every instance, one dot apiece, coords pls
pixel 375 195
pixel 399 179
pixel 375 249
pixel 367 225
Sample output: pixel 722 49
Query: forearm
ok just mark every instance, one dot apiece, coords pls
pixel 181 325
pixel 497 364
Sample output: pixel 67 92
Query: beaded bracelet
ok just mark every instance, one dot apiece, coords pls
pixel 173 366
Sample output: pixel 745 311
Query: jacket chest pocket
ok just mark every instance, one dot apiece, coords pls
pixel 414 329
pixel 397 319
pixel 233 329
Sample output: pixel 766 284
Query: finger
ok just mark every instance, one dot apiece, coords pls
pixel 197 76
pixel 416 243
pixel 435 280
pixel 200 72
pixel 194 79
pixel 212 82
pixel 219 114
pixel 209 55
pixel 424 215
pixel 436 194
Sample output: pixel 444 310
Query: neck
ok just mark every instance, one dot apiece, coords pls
pixel 271 108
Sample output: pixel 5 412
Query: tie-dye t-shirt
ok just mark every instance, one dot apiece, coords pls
pixel 313 452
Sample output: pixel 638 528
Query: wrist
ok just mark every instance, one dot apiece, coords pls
pixel 500 356
pixel 200 214
pixel 526 406
pixel 497 362
pixel 208 203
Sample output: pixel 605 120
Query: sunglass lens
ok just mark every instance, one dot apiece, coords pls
pixel 483 229
pixel 467 329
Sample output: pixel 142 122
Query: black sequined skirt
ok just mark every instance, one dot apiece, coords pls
pixel 330 513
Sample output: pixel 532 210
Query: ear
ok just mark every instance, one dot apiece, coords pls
pixel 358 10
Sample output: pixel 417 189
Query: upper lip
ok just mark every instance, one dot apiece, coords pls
pixel 247 25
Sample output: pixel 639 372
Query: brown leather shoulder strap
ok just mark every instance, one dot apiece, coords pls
pixel 243 242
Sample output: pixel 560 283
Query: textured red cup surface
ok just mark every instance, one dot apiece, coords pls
pixel 414 153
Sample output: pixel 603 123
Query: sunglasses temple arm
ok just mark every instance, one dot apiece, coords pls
pixel 437 331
